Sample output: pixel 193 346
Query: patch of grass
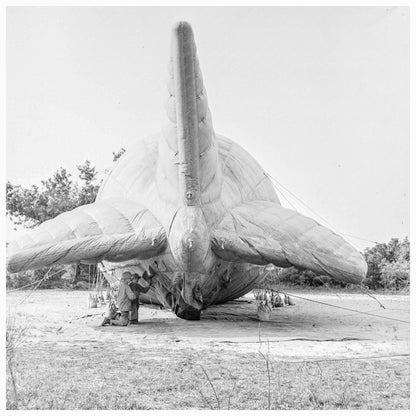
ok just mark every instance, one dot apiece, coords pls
pixel 163 377
pixel 155 367
pixel 14 337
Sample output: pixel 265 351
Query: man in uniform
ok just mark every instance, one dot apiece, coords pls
pixel 125 297
pixel 137 288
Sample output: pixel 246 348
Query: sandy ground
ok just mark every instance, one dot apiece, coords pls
pixel 305 331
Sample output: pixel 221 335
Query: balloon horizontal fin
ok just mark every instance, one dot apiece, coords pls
pixel 113 230
pixel 262 232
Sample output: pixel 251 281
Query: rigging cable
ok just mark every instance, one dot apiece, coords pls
pixel 36 281
pixel 348 309
pixel 314 212
pixel 362 288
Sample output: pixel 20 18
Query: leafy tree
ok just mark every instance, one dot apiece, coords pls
pixel 395 275
pixel 34 205
pixel 88 192
pixel 388 263
pixel 404 250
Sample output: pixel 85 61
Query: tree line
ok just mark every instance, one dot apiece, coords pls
pixel 388 263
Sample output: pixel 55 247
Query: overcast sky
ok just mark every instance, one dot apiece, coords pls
pixel 319 96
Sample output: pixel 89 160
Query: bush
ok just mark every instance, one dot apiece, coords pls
pixel 388 265
pixel 395 275
pixel 15 281
pixel 294 276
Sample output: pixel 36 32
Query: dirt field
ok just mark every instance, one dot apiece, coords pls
pixel 309 356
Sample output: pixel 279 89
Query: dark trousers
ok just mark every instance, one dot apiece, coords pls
pixel 134 314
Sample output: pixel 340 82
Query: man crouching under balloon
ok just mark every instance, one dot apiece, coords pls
pixel 126 309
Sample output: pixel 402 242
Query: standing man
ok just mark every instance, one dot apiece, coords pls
pixel 137 288
pixel 125 297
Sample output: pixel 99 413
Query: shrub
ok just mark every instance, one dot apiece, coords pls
pixel 388 264
pixel 14 281
pixel 395 275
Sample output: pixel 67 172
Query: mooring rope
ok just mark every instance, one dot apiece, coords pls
pixel 22 287
pixel 276 182
pixel 366 291
pixel 35 282
pixel 348 309
pixel 47 276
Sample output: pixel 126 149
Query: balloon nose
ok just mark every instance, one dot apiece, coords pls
pixel 189 241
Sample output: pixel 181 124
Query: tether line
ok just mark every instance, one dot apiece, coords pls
pixel 314 212
pixel 46 276
pixel 348 309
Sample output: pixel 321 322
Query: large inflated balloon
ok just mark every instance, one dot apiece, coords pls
pixel 192 207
